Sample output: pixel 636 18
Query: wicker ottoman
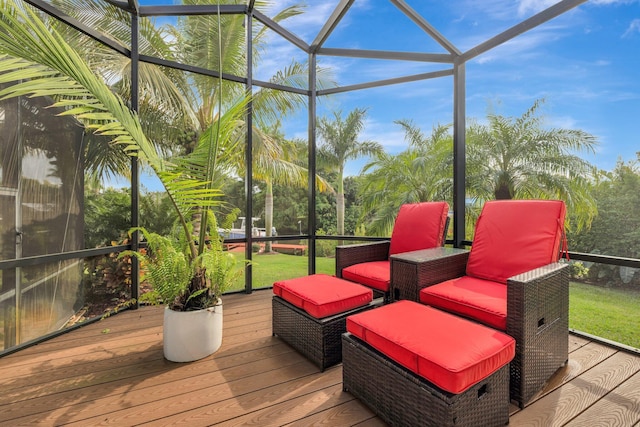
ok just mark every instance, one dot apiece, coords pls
pixel 309 313
pixel 414 365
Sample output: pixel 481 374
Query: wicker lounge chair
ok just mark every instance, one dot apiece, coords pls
pixel 417 226
pixel 512 281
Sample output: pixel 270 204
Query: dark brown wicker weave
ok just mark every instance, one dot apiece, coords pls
pixel 537 311
pixel 348 255
pixel 317 339
pixel 412 271
pixel 538 319
pixel 402 398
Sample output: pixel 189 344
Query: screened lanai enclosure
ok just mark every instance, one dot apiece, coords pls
pixel 69 197
pixel 42 209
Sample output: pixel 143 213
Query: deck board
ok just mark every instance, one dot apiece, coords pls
pixel 112 373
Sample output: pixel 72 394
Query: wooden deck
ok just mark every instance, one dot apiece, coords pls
pixel 112 373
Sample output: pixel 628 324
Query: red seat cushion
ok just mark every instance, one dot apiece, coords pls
pixel 375 274
pixel 322 295
pixel 514 236
pixel 482 300
pixel 451 352
pixel 419 226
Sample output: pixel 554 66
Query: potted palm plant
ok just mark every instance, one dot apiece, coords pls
pixel 35 60
pixel 190 284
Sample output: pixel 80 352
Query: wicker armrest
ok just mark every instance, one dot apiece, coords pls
pixel 413 271
pixel 365 252
pixel 538 319
pixel 537 298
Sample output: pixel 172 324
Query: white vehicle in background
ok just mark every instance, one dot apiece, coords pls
pixel 239 233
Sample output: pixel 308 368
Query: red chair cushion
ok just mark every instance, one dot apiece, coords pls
pixel 451 352
pixel 375 274
pixel 322 295
pixel 514 236
pixel 419 226
pixel 481 300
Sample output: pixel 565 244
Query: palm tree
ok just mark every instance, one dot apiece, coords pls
pixel 31 50
pixel 277 163
pixel 516 158
pixel 176 106
pixel 423 172
pixel 340 144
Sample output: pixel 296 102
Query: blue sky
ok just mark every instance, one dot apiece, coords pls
pixel 585 64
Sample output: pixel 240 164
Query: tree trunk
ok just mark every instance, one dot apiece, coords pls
pixel 503 192
pixel 268 215
pixel 340 213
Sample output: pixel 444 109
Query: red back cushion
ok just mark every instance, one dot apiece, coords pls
pixel 419 226
pixel 514 236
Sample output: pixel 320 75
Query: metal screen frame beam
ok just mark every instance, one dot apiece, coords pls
pixel 388 82
pixel 79 26
pixel 248 179
pixel 388 55
pixel 459 154
pixel 335 18
pixel 283 32
pixel 425 26
pixel 526 25
pixel 454 56
pixel 184 10
pixel 311 207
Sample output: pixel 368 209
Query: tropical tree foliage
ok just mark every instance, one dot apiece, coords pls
pixel 177 106
pixel 107 215
pixel 615 231
pixel 39 62
pixel 182 101
pixel 423 172
pixel 278 161
pixel 518 158
pixel 339 143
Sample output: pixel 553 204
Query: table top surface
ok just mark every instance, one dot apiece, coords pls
pixel 423 255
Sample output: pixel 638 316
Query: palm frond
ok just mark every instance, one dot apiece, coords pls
pixel 55 69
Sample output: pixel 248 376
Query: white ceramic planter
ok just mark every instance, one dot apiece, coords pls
pixel 192 335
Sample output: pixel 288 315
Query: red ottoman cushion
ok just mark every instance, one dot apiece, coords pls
pixel 375 274
pixel 482 300
pixel 322 295
pixel 450 352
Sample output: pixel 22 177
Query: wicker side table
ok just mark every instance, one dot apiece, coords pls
pixel 412 271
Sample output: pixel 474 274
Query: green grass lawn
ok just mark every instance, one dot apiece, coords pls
pixel 608 313
pixel 273 267
pixel 613 314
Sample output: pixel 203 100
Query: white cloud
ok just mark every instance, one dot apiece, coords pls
pixel 606 2
pixel 307 25
pixel 561 122
pixel 524 44
pixel 531 7
pixel 501 10
pixel 389 135
pixel 316 13
pixel 634 27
